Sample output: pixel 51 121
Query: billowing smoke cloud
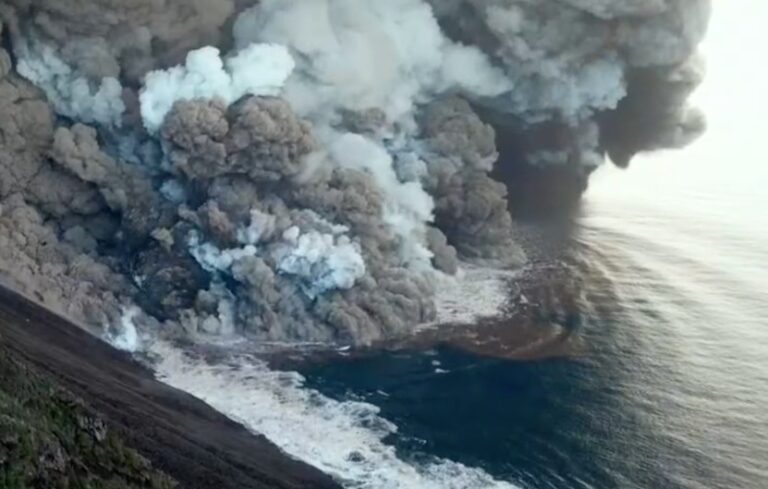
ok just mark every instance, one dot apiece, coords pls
pixel 308 175
pixel 572 60
pixel 96 37
pixel 372 56
pixel 367 54
pixel 70 91
pixel 259 69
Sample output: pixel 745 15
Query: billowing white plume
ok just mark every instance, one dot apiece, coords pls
pixel 363 55
pixel 127 336
pixel 71 94
pixel 367 54
pixel 214 259
pixel 258 69
pixel 322 261
pixel 407 206
pixel 559 62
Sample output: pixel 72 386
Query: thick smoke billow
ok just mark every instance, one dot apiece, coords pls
pixel 377 58
pixel 570 61
pixel 367 54
pixel 256 70
pixel 307 171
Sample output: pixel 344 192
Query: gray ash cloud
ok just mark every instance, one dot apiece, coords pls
pixel 306 171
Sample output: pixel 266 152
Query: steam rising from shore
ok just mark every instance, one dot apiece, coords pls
pixel 305 171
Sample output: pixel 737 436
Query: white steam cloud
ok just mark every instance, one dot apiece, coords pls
pixel 365 54
pixel 322 261
pixel 407 206
pixel 72 94
pixel 127 336
pixel 258 69
pixel 368 55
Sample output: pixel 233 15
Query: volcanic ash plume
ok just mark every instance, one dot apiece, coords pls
pixel 294 170
pixel 587 76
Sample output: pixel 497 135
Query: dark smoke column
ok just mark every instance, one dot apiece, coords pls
pixel 591 78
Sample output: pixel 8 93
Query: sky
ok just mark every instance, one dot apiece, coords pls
pixel 734 96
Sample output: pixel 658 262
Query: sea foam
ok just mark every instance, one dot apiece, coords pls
pixel 342 438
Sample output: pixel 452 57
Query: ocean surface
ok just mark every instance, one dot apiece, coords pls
pixel 663 279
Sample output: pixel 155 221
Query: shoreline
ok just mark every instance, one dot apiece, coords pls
pixel 536 324
pixel 177 433
pixel 200 446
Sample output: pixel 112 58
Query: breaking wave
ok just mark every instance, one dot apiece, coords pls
pixel 345 439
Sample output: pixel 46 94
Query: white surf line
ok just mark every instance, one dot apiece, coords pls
pixel 342 438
